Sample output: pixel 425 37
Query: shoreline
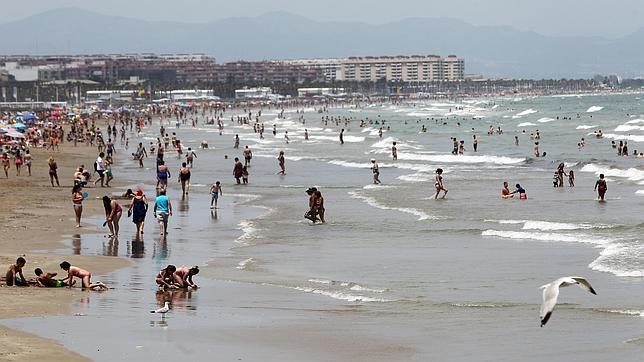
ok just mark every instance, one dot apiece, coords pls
pixel 36 217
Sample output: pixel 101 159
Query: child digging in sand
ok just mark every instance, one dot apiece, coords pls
pixel 47 280
pixel 14 275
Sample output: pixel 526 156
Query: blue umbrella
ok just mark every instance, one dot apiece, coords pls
pixel 19 126
pixel 28 117
pixel 71 114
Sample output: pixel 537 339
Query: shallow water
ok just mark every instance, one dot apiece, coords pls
pixel 450 279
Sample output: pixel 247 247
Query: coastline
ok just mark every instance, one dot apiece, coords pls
pixel 36 217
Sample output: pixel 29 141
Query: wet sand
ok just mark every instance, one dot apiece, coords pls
pixel 34 217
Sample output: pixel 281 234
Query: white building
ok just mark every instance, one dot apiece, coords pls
pixel 309 92
pixel 254 93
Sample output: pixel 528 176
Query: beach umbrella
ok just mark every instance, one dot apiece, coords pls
pixel 2 131
pixel 14 133
pixel 71 114
pixel 28 117
pixel 19 126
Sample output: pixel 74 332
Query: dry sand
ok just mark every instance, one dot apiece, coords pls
pixel 35 216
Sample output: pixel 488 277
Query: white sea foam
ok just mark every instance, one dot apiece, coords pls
pixel 523 235
pixel 378 187
pixel 242 265
pixel 593 109
pixel 524 113
pixel 416 177
pixel 635 121
pixel 374 203
pixel 545 120
pixel 350 164
pixel 585 126
pixel 628 128
pixel 526 124
pixel 340 295
pixel 548 225
pixel 631 174
pixel 499 160
pixel 633 312
pixel 634 138
pixel 639 192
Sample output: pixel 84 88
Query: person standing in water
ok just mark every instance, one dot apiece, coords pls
pixel 184 178
pixel 236 141
pixel 438 183
pixel 138 208
pixel 571 178
pixel 163 210
pixel 342 136
pixel 376 171
pixel 394 152
pixel 475 143
pixel 113 212
pixel 248 155
pixel 77 201
pixel 190 157
pixel 215 192
pixel 238 170
pixel 281 160
pixel 601 187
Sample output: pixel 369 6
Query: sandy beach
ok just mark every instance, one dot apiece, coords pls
pixel 35 217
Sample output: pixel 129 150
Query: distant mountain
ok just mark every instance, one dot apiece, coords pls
pixel 494 51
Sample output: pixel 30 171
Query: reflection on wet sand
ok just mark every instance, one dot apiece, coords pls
pixel 184 206
pixel 178 299
pixel 76 244
pixel 137 249
pixel 213 214
pixel 160 249
pixel 112 248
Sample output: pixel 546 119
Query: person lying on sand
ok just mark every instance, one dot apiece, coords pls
pixel 84 275
pixel 47 280
pixel 14 274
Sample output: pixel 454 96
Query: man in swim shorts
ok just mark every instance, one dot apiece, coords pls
pixel 14 275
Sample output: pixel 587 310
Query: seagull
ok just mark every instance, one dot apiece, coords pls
pixel 551 292
pixel 163 310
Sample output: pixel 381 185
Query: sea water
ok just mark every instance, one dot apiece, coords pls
pixel 454 278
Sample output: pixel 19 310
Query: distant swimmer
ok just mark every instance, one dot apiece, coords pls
pixel 438 183
pixel 601 187
pixel 505 191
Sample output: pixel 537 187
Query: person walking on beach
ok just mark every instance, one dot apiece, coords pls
pixel 18 162
pixel 163 210
pixel 394 151
pixel 376 171
pixel 138 208
pixel 6 164
pixel 215 192
pixel 438 183
pixel 53 171
pixel 100 168
pixel 601 187
pixel 184 178
pixel 163 174
pixel 113 213
pixel 248 155
pixel 238 170
pixel 28 159
pixel 281 160
pixel 77 202
pixel 190 157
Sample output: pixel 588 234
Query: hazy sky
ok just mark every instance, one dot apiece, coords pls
pixel 552 17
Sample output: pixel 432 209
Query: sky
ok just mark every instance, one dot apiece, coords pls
pixel 608 19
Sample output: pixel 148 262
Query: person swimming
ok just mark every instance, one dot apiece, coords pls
pixel 521 191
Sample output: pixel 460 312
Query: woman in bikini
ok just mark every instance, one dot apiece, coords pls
pixel 438 183
pixel 113 213
pixel 183 276
pixel 77 201
pixel 163 173
pixel 5 164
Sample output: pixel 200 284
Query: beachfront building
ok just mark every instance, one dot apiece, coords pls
pixel 413 68
pixel 311 92
pixel 254 93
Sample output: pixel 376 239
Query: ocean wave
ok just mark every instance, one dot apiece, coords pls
pixel 378 187
pixel 628 128
pixel 416 177
pixel 350 164
pixel 407 210
pixel 242 265
pixel 548 225
pixel 632 174
pixel 639 192
pixel 340 295
pixel 545 120
pixel 634 138
pixel 585 126
pixel 633 312
pixel 593 109
pixel 499 160
pixel 526 124
pixel 635 121
pixel 523 235
pixel 524 113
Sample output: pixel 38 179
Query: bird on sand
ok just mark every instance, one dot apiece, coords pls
pixel 551 292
